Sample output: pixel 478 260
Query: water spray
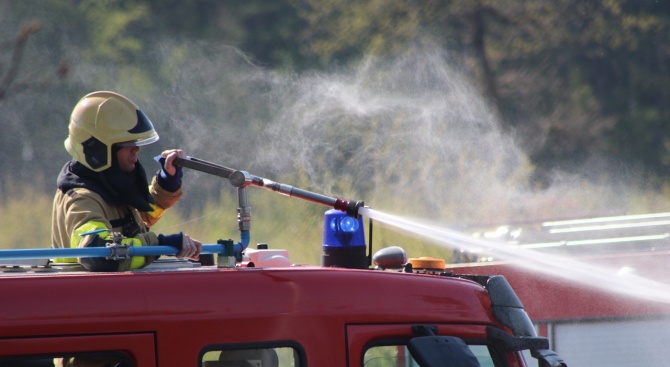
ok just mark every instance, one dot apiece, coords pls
pixel 565 268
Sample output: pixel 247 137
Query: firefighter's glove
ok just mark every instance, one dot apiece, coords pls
pixel 188 247
pixel 168 182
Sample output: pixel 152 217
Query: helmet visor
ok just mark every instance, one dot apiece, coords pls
pixel 138 142
pixel 143 129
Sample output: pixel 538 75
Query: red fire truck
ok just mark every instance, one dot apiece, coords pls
pixel 588 323
pixel 251 307
pixel 293 316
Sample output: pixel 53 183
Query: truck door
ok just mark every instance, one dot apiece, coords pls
pixel 127 350
pixel 388 345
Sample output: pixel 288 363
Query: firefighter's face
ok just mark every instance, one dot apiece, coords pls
pixel 127 157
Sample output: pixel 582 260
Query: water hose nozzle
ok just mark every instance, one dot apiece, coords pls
pixel 350 207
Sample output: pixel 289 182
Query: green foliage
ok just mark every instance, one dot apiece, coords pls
pixel 565 73
pixel 26 216
pixel 343 30
pixel 571 83
pixel 590 57
pixel 266 30
pixel 110 28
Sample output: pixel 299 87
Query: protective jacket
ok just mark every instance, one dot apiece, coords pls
pixel 107 202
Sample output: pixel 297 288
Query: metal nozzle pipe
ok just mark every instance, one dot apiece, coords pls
pixel 243 210
pixel 204 166
pixel 241 179
pixel 349 207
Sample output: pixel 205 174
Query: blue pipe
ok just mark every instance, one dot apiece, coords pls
pixel 245 237
pixel 49 253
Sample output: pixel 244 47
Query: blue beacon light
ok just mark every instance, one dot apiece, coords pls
pixel 343 241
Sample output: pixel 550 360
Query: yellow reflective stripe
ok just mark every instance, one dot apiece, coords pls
pixel 136 262
pixel 66 260
pixel 156 211
pixel 87 227
pixel 75 239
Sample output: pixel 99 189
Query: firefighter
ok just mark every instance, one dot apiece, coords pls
pixel 104 189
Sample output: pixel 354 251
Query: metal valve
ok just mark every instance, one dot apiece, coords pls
pixel 118 250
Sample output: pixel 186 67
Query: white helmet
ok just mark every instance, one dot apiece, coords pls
pixel 102 119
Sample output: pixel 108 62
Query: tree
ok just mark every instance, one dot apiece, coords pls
pixel 572 79
pixel 595 73
pixel 267 31
pixel 10 68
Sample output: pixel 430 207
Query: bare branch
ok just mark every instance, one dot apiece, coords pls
pixel 9 79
